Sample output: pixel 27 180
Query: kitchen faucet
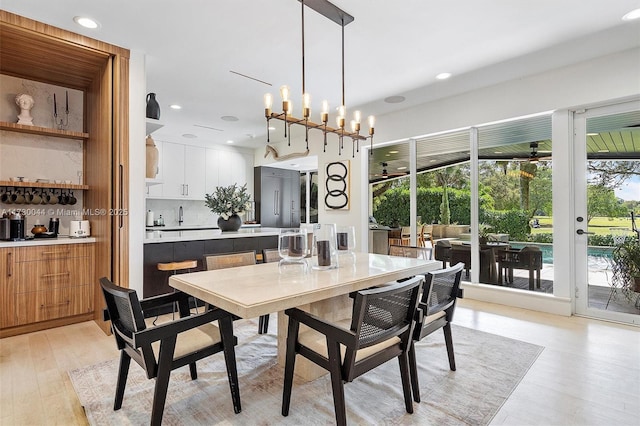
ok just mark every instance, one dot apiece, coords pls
pixel 180 216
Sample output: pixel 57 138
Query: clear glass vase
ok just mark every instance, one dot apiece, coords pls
pixel 292 247
pixel 325 249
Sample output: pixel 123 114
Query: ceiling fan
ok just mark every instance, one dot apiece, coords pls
pixel 534 156
pixel 385 174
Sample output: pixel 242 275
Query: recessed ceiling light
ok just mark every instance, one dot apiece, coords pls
pixel 294 165
pixel 443 75
pixel 174 106
pixel 432 161
pixel 393 152
pixel 401 168
pixel 603 150
pixel 634 14
pixel 387 155
pixel 271 128
pixel 497 152
pixel 394 99
pixel 543 151
pixel 189 136
pixel 229 142
pixel 86 22
pixel 592 134
pixel 229 118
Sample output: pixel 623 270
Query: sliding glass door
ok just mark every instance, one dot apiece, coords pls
pixel 607 202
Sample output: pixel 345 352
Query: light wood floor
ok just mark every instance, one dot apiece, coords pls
pixel 588 373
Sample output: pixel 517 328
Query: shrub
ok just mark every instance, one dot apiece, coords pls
pixel 512 222
pixel 540 238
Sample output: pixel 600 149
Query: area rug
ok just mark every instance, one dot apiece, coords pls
pixel 489 367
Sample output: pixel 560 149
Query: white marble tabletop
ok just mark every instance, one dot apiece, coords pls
pixel 251 291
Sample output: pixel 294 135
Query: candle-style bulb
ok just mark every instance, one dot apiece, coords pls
pixel 284 92
pixel 306 105
pixel 268 100
pixel 353 125
pixel 372 121
pixel 357 116
pixel 342 111
pixel 325 107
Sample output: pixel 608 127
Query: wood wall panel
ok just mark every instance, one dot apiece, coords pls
pixel 37 51
pixel 7 290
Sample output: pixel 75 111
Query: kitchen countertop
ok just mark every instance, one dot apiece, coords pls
pixel 196 227
pixel 47 242
pixel 168 236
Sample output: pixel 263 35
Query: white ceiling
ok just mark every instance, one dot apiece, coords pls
pixel 392 48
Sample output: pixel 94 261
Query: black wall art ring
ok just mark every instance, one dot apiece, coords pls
pixel 337 185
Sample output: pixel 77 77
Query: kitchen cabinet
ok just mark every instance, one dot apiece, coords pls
pixel 225 168
pixel 7 274
pixel 46 283
pixel 277 197
pixel 156 282
pixel 33 51
pixel 182 172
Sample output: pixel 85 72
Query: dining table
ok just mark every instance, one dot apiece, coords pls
pixel 262 289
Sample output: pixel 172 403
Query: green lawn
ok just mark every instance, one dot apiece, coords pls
pixel 599 225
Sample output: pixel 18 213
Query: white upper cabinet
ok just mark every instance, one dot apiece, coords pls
pixel 182 172
pixel 173 174
pixel 194 172
pixel 225 168
pixel 211 175
pixel 190 172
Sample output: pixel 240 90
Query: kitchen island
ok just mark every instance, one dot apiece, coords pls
pixel 164 246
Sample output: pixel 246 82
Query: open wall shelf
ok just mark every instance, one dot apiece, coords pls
pixel 11 184
pixel 45 131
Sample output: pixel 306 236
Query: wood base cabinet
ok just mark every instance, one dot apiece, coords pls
pixel 47 283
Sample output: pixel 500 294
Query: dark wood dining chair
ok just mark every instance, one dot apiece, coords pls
pixel 528 258
pixel 380 329
pixel 442 252
pixel 271 255
pixel 231 260
pixel 410 251
pixel 440 291
pixel 162 348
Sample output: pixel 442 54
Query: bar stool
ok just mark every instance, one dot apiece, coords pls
pixel 179 267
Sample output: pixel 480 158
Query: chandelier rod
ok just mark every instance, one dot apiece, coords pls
pixel 343 103
pixel 303 86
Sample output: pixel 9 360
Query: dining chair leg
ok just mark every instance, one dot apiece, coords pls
pixel 165 359
pixel 449 341
pixel 413 371
pixel 123 372
pixel 226 333
pixel 333 348
pixel 289 365
pixel 406 385
pixel 193 371
pixel 263 324
pixel 531 280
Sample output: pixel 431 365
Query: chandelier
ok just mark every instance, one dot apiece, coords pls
pixel 340 17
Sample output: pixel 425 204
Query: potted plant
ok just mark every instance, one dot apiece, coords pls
pixel 483 233
pixel 229 202
pixel 626 265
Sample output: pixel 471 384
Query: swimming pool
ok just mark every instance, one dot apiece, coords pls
pixel 547 250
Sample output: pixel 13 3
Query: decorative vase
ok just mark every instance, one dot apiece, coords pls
pixel 152 158
pixel 230 225
pixel 153 107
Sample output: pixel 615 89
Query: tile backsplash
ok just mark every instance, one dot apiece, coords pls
pixel 194 212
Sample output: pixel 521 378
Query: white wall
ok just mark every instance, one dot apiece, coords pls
pixel 137 159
